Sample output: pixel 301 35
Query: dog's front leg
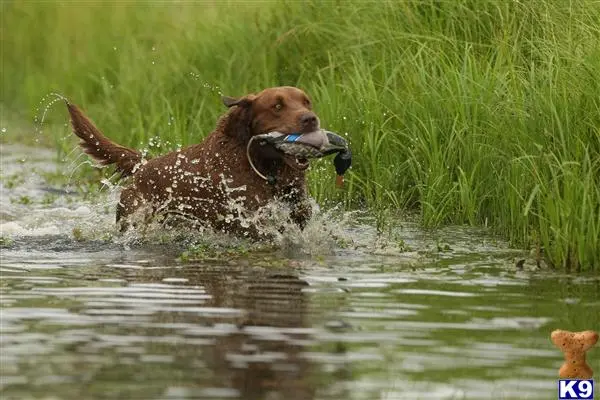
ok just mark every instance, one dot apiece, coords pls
pixel 301 209
pixel 301 212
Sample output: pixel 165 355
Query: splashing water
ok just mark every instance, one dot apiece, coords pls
pixel 57 215
pixel 51 99
pixel 60 212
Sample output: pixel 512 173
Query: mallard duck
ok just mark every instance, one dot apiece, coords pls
pixel 315 144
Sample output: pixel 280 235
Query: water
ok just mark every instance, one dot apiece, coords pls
pixel 438 315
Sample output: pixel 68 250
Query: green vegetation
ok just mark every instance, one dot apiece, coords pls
pixel 25 200
pixel 470 111
pixel 5 242
pixel 12 181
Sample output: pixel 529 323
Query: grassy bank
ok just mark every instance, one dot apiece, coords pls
pixel 478 112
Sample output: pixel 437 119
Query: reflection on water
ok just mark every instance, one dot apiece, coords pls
pixel 94 318
pixel 118 328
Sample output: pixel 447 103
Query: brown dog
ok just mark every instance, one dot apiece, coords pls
pixel 213 181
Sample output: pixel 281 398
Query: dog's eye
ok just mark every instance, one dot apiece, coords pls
pixel 278 106
pixel 307 103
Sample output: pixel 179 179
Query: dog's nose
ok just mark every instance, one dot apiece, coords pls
pixel 309 120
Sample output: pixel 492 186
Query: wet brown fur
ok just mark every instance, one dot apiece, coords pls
pixel 190 181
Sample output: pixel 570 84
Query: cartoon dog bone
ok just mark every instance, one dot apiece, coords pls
pixel 574 345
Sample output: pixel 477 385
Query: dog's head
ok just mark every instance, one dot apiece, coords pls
pixel 283 109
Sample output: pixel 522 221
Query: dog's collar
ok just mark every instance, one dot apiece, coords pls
pixel 269 178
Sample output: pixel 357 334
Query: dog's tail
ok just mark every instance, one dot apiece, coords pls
pixel 100 147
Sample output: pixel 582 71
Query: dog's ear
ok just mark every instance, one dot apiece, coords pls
pixel 245 101
pixel 237 122
pixel 231 101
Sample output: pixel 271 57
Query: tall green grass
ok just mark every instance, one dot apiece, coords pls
pixel 471 111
